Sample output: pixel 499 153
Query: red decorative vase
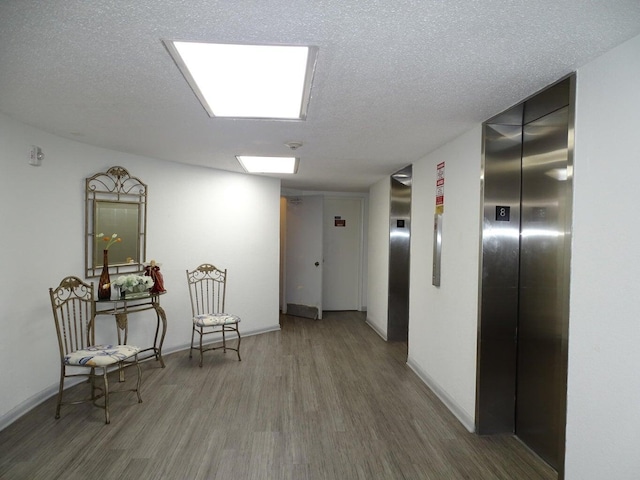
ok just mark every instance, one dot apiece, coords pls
pixel 104 285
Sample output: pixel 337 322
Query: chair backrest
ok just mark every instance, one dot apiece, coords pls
pixel 74 312
pixel 207 285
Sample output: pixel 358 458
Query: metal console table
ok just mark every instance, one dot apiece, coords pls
pixel 121 307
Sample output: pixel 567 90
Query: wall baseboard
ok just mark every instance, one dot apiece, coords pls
pixel 31 403
pixel 35 400
pixel 467 421
pixel 377 330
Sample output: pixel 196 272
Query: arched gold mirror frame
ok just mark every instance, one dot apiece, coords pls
pixel 115 203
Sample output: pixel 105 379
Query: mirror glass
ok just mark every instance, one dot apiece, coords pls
pixel 116 203
pixel 121 218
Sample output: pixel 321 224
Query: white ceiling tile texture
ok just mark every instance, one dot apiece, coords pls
pixel 394 79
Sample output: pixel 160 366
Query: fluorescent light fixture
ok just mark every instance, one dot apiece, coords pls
pixel 253 164
pixel 247 81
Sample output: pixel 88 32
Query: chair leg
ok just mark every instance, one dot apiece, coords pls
pixel 107 420
pixel 62 371
pixel 193 331
pixel 139 379
pixel 201 351
pixel 92 383
pixel 239 339
pixel 224 340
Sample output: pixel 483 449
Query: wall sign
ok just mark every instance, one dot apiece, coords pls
pixel 503 213
pixel 339 222
pixel 440 188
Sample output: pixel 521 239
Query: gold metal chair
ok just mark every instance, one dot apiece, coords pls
pixel 207 288
pixel 74 313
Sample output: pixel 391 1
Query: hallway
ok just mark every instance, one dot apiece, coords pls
pixel 323 399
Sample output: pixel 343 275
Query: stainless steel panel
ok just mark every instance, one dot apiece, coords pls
pixel 543 287
pixel 512 116
pixel 399 256
pixel 496 379
pixel 437 249
pixel 547 101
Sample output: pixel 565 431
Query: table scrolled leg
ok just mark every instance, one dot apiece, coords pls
pixel 162 317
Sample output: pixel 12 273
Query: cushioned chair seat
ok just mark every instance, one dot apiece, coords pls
pixel 210 319
pixel 100 355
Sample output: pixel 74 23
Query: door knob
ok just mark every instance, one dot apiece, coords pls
pixel 317 264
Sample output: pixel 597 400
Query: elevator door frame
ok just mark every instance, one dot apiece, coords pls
pixel 496 381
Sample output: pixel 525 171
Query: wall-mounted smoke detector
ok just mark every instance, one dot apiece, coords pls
pixel 294 145
pixel 35 156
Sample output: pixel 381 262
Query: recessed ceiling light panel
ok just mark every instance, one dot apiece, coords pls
pixel 248 81
pixel 255 164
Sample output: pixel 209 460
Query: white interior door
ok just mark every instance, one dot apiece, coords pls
pixel 342 253
pixel 304 252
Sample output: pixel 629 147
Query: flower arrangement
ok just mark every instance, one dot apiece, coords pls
pixel 134 283
pixel 110 240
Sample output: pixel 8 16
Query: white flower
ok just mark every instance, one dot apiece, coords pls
pixel 110 240
pixel 129 282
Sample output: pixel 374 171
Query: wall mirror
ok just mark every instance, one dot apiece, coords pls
pixel 115 203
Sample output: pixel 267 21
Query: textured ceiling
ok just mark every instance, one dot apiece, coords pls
pixel 395 79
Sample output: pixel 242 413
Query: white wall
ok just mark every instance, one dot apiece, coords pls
pixel 378 256
pixel 603 393
pixel 443 320
pixel 603 410
pixel 195 215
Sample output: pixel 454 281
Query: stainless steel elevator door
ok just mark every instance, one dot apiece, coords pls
pixel 399 256
pixel 541 376
pixel 497 338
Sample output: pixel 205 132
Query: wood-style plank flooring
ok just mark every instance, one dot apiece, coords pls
pixel 321 399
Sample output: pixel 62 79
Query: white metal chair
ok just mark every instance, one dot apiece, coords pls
pixel 74 313
pixel 207 288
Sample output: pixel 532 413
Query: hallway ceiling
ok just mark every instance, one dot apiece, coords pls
pixel 394 80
